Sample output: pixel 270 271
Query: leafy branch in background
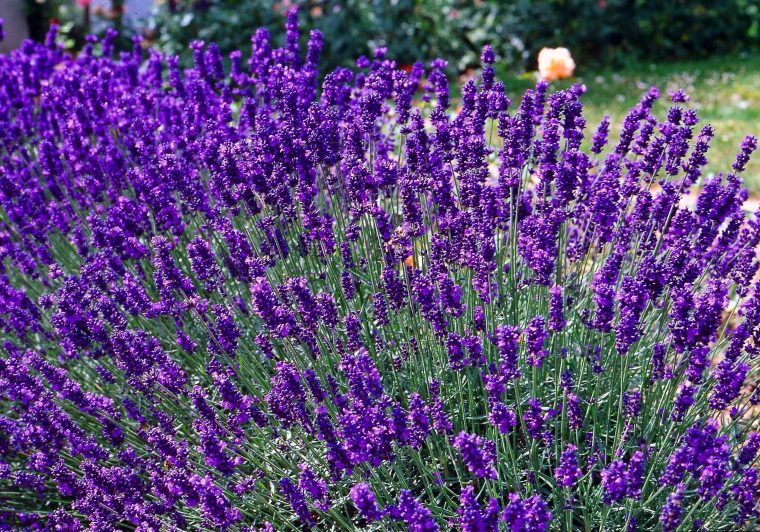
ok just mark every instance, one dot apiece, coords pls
pixel 605 31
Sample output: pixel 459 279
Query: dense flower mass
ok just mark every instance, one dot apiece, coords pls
pixel 255 298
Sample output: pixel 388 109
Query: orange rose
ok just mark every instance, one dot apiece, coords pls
pixel 555 63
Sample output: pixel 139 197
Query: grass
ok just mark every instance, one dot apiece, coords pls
pixel 725 90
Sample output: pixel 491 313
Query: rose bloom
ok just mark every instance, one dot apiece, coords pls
pixel 555 63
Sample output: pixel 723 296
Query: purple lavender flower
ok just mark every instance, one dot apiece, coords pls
pixel 415 515
pixel 556 317
pixel 620 480
pixel 631 403
pixel 658 362
pixel 297 501
pixel 266 306
pixel 632 300
pixel 534 419
pixel 730 379
pixel 749 145
pixel 315 387
pixel 502 417
pixel 683 402
pixel 478 454
pixel 287 400
pixel 216 508
pixel 525 515
pixel 419 421
pixel 574 412
pixel 614 482
pixel 472 518
pixel 393 288
pixel 535 336
pixel 456 352
pixel 381 309
pixel 671 514
pixel 635 474
pixel 507 339
pixel 750 449
pixel 364 499
pixel 600 136
pixel 315 487
pixel 745 495
pixel 703 455
pixel 568 472
pixel 441 421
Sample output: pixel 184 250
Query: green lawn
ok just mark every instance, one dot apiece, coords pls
pixel 726 91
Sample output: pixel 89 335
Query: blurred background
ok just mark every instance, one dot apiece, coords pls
pixel 620 47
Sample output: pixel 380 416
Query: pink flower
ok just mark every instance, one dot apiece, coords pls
pixel 555 63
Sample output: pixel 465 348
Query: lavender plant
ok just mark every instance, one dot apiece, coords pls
pixel 254 301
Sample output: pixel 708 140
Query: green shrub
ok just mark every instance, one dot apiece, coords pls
pixel 617 30
pixel 596 31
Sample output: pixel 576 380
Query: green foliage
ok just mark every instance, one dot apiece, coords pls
pixel 603 31
pixel 76 20
pixel 39 13
pixel 617 30
pixel 410 29
pixel 355 27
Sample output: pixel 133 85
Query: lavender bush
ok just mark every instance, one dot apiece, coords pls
pixel 254 301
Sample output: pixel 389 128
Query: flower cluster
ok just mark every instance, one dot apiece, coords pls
pixel 243 296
